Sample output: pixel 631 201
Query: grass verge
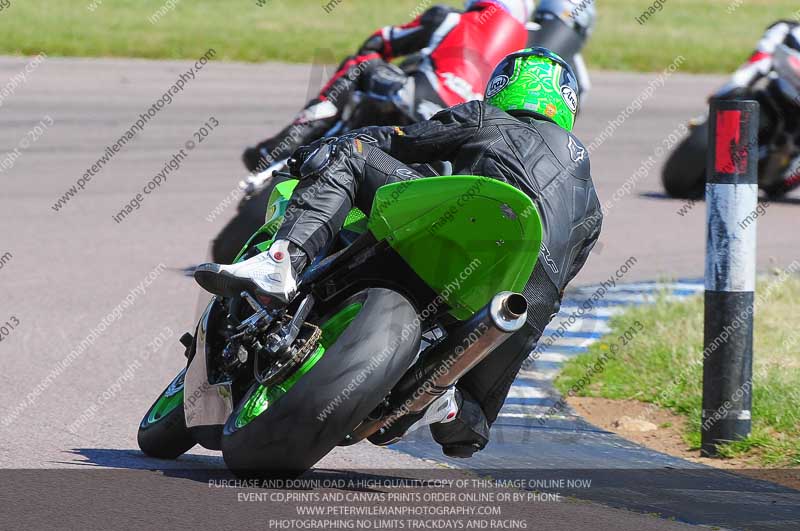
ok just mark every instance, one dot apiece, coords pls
pixel 710 34
pixel 662 365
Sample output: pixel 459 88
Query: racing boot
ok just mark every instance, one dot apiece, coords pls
pixel 268 275
pixel 467 432
pixel 442 410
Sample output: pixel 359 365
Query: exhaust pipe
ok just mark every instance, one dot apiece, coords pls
pixel 464 348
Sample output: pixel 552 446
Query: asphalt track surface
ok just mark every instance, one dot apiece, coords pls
pixel 63 272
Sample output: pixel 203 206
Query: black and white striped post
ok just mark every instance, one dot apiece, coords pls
pixel 731 196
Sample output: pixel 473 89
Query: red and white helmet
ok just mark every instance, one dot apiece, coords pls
pixel 521 10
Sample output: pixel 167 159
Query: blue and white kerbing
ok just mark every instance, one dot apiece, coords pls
pixel 570 333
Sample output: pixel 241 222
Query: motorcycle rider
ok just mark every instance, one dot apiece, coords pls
pixel 786 32
pixel 519 135
pixel 578 15
pixel 760 64
pixel 457 52
pixel 565 27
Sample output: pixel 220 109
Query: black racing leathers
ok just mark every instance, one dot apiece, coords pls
pixel 537 157
pixel 547 163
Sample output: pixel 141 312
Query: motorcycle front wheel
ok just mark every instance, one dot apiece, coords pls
pixel 163 432
pixel 684 174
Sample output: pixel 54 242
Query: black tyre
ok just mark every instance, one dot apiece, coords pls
pixel 684 174
pixel 368 343
pixel 163 432
pixel 248 219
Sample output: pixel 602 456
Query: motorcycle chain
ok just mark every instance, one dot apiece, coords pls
pixel 299 355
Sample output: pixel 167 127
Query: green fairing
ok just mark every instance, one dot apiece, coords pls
pixel 171 398
pixel 467 237
pixel 164 406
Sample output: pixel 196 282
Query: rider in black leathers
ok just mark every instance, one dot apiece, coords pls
pixel 521 147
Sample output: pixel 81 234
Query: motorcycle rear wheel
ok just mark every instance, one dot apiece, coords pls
pixel 368 342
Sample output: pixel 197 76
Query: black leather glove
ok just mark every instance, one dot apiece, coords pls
pixel 301 154
pixel 310 159
pixel 298 157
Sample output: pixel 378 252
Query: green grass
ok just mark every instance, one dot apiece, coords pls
pixel 296 30
pixel 663 365
pixel 702 31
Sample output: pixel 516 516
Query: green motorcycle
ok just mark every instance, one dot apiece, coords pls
pixel 399 307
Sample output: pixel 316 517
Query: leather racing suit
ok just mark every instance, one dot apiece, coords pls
pixel 785 32
pixel 537 157
pixel 455 51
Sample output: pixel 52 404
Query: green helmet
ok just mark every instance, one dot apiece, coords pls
pixel 535 81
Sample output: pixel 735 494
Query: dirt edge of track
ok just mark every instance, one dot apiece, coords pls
pixel 668 438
